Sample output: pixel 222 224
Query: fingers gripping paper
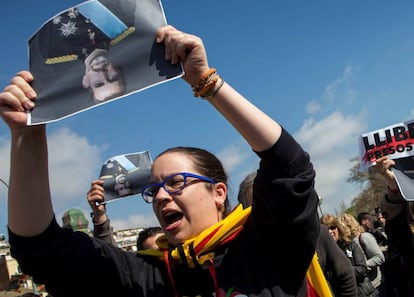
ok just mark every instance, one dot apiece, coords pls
pixel 404 174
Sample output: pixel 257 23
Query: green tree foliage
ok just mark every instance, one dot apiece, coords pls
pixel 373 189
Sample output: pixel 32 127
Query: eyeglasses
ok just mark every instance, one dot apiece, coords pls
pixel 332 228
pixel 172 184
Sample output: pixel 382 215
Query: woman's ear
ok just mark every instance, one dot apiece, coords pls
pixel 221 194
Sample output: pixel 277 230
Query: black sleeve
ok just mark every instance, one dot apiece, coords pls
pixel 104 232
pixel 285 203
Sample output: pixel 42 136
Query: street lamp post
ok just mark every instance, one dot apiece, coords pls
pixel 320 205
pixel 4 183
pixel 5 208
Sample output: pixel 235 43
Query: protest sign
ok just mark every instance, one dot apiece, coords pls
pixel 395 142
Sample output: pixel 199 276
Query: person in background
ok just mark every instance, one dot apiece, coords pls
pixel 367 222
pixel 189 195
pixel 392 268
pixel 398 227
pixel 342 235
pixel 147 238
pixel 102 228
pixel 372 251
pixel 102 225
pixel 381 235
pixel 381 219
pixel 245 195
pixel 337 269
pixel 75 219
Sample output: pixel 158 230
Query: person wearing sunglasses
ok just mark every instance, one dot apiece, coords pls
pixel 352 250
pixel 102 228
pixel 211 249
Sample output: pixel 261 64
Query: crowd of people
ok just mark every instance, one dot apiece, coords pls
pixel 379 244
pixel 353 251
pixel 212 249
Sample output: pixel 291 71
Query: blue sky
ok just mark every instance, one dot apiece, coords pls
pixel 328 71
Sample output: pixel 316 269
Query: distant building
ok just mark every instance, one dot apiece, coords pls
pixel 127 238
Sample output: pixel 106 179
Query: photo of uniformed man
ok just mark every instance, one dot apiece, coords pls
pixel 96 52
pixel 126 175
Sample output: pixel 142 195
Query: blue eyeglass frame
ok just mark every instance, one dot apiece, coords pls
pixel 162 184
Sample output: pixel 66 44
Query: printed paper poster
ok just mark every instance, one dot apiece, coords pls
pixel 94 53
pixel 126 175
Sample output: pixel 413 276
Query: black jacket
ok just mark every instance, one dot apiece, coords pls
pixel 254 264
pixel 338 270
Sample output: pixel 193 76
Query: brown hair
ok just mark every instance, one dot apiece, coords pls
pixel 244 188
pixel 146 233
pixel 207 164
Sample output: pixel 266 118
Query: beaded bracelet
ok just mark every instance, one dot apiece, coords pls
pixel 214 90
pixel 206 88
pixel 207 81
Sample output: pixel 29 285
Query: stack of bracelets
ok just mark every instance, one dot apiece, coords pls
pixel 207 88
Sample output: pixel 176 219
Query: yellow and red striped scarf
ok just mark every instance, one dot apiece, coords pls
pixel 204 244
